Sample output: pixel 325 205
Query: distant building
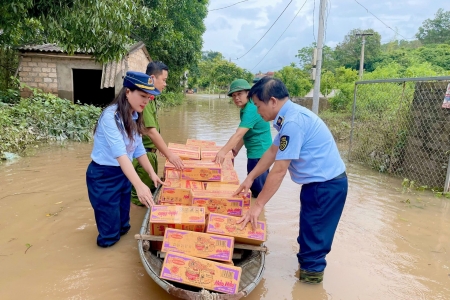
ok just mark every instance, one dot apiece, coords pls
pixel 261 75
pixel 77 77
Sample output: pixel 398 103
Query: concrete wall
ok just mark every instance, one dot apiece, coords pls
pixel 137 61
pixel 52 74
pixel 38 72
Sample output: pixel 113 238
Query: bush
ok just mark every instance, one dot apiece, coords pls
pixel 168 99
pixel 44 117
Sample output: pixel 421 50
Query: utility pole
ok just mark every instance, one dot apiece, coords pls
pixel 361 61
pixel 320 37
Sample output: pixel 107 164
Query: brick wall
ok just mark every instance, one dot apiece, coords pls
pixel 38 72
pixel 137 61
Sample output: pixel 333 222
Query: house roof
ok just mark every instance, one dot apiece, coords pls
pixel 47 48
pixel 53 48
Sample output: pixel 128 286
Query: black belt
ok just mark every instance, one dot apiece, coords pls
pixel 152 150
pixel 343 175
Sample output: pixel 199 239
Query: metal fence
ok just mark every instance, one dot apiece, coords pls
pixel 400 126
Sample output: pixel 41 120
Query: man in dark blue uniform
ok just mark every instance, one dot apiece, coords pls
pixel 304 146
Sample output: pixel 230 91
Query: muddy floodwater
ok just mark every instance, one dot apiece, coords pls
pixel 389 244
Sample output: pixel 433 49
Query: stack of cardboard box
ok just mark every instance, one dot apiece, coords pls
pixel 198 216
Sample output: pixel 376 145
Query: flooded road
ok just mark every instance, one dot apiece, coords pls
pixel 389 244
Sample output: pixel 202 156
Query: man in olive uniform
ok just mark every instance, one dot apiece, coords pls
pixel 153 140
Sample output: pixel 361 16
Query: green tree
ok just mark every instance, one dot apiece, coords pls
pixel 305 56
pixel 437 30
pixel 348 52
pixel 100 26
pixel 296 80
pixel 176 36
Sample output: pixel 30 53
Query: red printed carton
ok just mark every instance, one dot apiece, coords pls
pixel 173 216
pixel 209 153
pixel 201 273
pixel 230 176
pixel 218 202
pixel 226 225
pixel 200 143
pixel 184 151
pixel 199 170
pixel 203 245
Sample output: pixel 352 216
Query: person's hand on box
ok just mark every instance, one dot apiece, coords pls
pixel 220 157
pixel 176 161
pixel 251 216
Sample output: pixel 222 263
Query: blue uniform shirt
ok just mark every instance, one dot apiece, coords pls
pixel 304 139
pixel 110 142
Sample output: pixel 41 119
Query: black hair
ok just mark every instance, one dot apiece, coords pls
pixel 268 87
pixel 123 116
pixel 155 68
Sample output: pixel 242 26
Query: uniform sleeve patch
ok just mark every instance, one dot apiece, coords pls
pixel 284 142
pixel 280 121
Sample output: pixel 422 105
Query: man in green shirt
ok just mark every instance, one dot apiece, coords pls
pixel 253 132
pixel 153 140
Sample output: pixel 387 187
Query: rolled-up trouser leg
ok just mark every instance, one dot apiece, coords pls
pixel 321 208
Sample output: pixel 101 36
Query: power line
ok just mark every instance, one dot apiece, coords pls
pixel 227 6
pixel 280 36
pixel 266 32
pixel 380 20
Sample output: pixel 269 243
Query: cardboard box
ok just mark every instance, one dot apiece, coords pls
pixel 201 273
pixel 203 245
pixel 226 187
pixel 176 192
pixel 174 216
pixel 198 170
pixel 228 164
pixel 210 153
pixel 226 225
pixel 179 192
pixel 172 173
pixel 200 143
pixel 230 176
pixel 184 151
pixel 218 202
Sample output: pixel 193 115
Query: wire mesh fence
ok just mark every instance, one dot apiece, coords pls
pixel 400 126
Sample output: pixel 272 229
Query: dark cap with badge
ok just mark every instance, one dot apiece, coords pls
pixel 141 81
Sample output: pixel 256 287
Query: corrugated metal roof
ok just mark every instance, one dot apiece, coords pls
pixel 56 49
pixel 48 48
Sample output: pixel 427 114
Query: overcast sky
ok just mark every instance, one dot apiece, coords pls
pixel 234 30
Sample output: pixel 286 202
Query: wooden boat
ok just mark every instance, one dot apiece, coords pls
pixel 251 262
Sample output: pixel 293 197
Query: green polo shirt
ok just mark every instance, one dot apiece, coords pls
pixel 150 119
pixel 258 138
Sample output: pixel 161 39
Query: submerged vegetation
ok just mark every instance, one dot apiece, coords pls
pixel 40 118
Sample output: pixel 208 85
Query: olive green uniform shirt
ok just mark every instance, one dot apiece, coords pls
pixel 150 119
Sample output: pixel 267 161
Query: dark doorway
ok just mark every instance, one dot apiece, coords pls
pixel 86 88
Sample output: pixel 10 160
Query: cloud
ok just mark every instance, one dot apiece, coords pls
pixel 234 30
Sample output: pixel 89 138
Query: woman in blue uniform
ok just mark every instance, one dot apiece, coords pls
pixel 117 140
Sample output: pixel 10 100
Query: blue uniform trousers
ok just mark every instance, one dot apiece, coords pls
pixel 321 208
pixel 260 180
pixel 110 193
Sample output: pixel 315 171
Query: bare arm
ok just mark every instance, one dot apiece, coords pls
pixel 143 192
pixel 238 147
pixel 232 142
pixel 264 163
pixel 272 185
pixel 145 163
pixel 157 139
